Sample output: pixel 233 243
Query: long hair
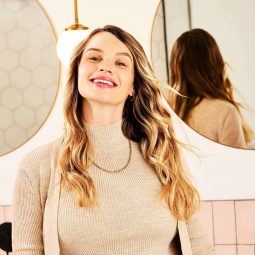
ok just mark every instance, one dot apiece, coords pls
pixel 198 71
pixel 145 121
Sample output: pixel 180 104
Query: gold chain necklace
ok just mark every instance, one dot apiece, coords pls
pixel 118 170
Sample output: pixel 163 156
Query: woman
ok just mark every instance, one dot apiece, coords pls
pixel 114 183
pixel 206 103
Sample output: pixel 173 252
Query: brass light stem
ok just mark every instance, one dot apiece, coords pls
pixel 76 21
pixel 76 25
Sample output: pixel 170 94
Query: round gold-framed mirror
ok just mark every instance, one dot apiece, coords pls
pixel 29 71
pixel 229 122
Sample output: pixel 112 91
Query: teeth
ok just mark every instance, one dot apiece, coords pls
pixel 103 81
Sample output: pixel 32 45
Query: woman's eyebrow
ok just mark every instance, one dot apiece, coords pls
pixel 125 54
pixel 93 49
pixel 119 53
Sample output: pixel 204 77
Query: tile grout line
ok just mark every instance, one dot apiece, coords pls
pixel 213 223
pixel 235 226
pixel 226 244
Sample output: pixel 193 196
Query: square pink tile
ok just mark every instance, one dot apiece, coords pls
pixel 245 221
pixel 2 252
pixel 245 249
pixel 8 213
pixel 224 222
pixel 2 215
pixel 225 250
pixel 206 220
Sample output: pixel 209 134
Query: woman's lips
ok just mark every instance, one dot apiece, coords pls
pixel 103 83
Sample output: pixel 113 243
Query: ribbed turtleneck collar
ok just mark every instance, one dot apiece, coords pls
pixel 109 135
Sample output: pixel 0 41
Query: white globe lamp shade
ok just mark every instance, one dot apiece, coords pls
pixel 67 42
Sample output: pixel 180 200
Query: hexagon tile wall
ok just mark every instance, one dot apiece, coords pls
pixel 29 71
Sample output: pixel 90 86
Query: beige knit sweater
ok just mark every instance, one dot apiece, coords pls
pixel 219 121
pixel 129 220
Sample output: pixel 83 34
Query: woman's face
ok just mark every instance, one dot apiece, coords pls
pixel 106 70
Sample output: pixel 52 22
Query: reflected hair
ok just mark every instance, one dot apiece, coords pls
pixel 145 121
pixel 198 71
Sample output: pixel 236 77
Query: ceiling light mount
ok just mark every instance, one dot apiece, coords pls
pixel 76 25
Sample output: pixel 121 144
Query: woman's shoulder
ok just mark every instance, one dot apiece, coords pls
pixel 41 155
pixel 217 105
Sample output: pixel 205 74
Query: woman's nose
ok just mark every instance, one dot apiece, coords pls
pixel 105 67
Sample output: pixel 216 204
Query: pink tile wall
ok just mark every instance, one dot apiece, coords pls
pixel 224 222
pixel 230 225
pixel 245 222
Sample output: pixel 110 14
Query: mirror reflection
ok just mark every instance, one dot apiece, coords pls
pixel 199 87
pixel 29 71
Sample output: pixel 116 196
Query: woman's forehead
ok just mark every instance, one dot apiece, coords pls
pixel 105 41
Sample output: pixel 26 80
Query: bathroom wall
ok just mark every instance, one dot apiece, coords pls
pixel 229 223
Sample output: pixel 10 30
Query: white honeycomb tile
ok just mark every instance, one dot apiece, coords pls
pixel 41 113
pixel 13 5
pixel 8 60
pixel 24 117
pixel 43 76
pixel 30 58
pixel 15 136
pixel 18 39
pixel 27 18
pixel 34 129
pixel 40 37
pixel 4 149
pixel 49 56
pixel 33 97
pixel 7 20
pixel 50 94
pixel 6 118
pixel 20 78
pixel 4 80
pixel 11 98
pixel 1 139
pixel 2 41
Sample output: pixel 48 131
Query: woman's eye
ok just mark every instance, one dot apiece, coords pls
pixel 94 59
pixel 121 64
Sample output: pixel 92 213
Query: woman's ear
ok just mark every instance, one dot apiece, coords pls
pixel 131 91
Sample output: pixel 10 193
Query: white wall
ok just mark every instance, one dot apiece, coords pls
pixel 217 174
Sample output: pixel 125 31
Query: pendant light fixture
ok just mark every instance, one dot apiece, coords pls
pixel 70 38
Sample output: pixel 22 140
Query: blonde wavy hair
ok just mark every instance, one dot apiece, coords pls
pixel 145 121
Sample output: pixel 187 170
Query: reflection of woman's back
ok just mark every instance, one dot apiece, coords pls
pixel 206 102
pixel 219 121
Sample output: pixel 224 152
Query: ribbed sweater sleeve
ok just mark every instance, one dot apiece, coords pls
pixel 198 238
pixel 27 215
pixel 27 237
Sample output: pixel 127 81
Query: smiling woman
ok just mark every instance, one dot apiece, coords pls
pixel 111 68
pixel 117 170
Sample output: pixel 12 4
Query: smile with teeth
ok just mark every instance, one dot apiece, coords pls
pixel 103 81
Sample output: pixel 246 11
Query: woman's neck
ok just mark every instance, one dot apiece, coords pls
pixel 101 114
